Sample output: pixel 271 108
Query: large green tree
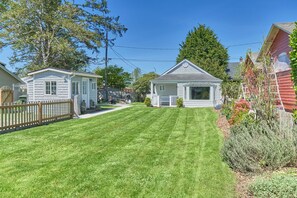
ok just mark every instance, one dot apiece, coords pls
pixel 293 56
pixel 142 85
pixel 116 77
pixel 203 48
pixel 56 33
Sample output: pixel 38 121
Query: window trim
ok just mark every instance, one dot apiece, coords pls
pixel 162 87
pixel 50 87
pixel 95 86
pixel 190 93
pixel 78 87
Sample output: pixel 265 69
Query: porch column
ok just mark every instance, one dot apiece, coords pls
pixel 152 90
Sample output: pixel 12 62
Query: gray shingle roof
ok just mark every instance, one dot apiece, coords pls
pixel 187 77
pixel 232 69
pixel 287 27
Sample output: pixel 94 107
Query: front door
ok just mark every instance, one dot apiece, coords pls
pixel 85 91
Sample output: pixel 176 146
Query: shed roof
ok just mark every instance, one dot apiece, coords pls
pixel 287 27
pixel 69 72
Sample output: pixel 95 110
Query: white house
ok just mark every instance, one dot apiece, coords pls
pixel 185 80
pixel 57 84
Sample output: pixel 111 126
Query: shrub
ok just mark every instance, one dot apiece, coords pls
pixel 240 111
pixel 227 109
pixel 277 186
pixel 254 147
pixel 180 102
pixel 147 102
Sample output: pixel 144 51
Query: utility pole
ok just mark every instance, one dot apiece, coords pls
pixel 106 62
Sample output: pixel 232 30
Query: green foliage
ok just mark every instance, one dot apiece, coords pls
pixel 295 115
pixel 239 112
pixel 142 86
pixel 255 147
pixel 136 74
pixel 147 102
pixel 293 56
pixel 227 109
pixel 203 48
pixel 116 76
pixel 279 185
pixel 231 89
pixel 55 33
pixel 180 102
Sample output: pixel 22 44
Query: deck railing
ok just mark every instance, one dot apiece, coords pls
pixel 17 116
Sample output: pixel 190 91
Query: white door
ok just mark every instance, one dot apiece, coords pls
pixel 85 91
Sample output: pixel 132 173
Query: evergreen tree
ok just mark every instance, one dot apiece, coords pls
pixel 293 56
pixel 203 48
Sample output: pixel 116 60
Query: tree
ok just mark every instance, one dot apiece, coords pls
pixel 55 33
pixel 116 76
pixel 142 85
pixel 136 74
pixel 293 56
pixel 203 49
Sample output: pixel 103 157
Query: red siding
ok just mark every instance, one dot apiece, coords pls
pixel 287 93
pixel 280 44
pixel 286 90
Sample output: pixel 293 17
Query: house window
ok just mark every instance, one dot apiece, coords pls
pixel 162 87
pixel 199 93
pixel 51 88
pixel 75 88
pixel 93 85
pixel 84 87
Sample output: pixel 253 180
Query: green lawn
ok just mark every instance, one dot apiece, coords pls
pixel 135 152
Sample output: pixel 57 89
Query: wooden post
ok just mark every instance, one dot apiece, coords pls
pixel 71 108
pixel 40 113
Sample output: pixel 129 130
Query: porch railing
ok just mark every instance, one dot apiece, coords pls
pixel 164 100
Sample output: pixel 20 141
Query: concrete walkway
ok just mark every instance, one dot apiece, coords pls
pixel 89 115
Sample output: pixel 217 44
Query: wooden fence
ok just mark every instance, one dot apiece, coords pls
pixel 17 116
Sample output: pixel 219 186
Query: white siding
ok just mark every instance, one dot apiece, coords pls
pixel 186 70
pixel 93 92
pixel 30 90
pixel 39 86
pixel 169 90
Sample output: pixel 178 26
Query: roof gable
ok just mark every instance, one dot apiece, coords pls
pixel 68 72
pixel 2 66
pixel 186 71
pixel 275 28
pixel 185 67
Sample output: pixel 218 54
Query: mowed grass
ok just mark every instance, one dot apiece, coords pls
pixel 136 152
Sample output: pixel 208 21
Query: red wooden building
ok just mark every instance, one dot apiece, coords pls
pixel 277 46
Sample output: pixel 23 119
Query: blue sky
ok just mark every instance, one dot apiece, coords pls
pixel 165 24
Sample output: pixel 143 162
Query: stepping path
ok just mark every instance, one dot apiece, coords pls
pixel 89 115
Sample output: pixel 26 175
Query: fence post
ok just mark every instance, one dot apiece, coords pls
pixel 40 113
pixel 71 108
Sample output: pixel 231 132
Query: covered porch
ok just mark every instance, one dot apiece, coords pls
pixel 196 94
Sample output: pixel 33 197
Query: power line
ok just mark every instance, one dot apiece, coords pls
pixel 173 49
pixel 243 44
pixel 144 48
pixel 146 60
pixel 122 58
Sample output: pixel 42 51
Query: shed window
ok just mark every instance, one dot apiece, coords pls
pixel 200 93
pixel 84 87
pixel 93 85
pixel 51 87
pixel 75 88
pixel 162 87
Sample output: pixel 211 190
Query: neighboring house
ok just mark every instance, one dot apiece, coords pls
pixel 7 78
pixel 57 84
pixel 233 71
pixel 185 80
pixel 277 46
